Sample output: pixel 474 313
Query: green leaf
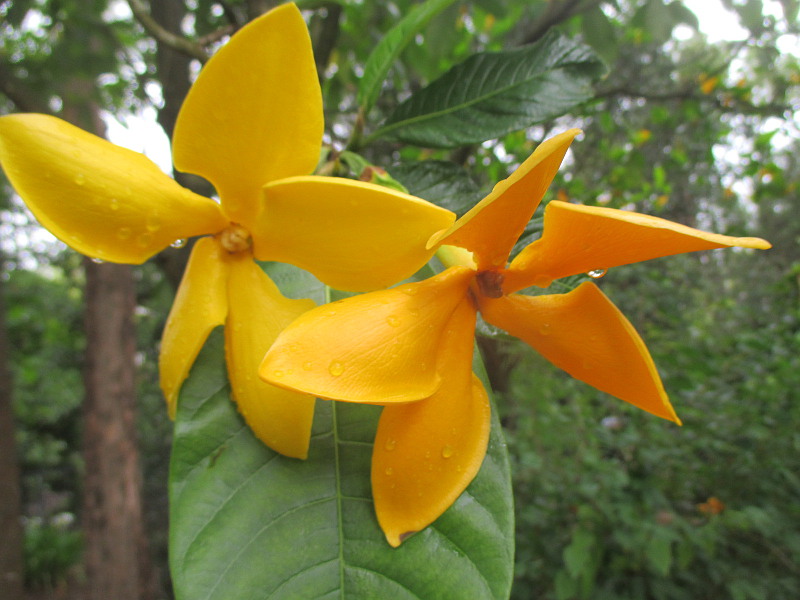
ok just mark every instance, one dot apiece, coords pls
pixel 249 523
pixel 389 48
pixel 659 552
pixel 600 34
pixel 494 93
pixel 444 183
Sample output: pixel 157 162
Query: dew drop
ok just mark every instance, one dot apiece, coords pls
pixel 307 366
pixel 97 261
pixel 80 179
pixel 336 368
pixel 277 374
pixel 180 243
pixel 596 273
pixel 390 444
pixel 124 233
pixel 389 470
pixel 153 223
pixel 393 321
pixel 447 451
pixel 145 240
pixel 411 290
pixel 544 329
pixel 113 204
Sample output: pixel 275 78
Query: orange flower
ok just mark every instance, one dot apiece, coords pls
pixel 410 348
pixel 712 506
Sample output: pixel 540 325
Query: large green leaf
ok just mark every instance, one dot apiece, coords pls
pixel 248 523
pixel 494 93
pixel 389 48
pixel 444 183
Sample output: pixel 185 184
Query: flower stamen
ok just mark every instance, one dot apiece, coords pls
pixel 235 239
pixel 490 283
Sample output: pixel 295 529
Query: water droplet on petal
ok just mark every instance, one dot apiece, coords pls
pixel 393 321
pixel 113 204
pixel 389 470
pixel 80 179
pixel 145 240
pixel 336 368
pixel 390 444
pixel 411 290
pixel 544 329
pixel 447 451
pixel 596 273
pixel 124 233
pixel 153 223
pixel 97 261
pixel 307 366
pixel 180 243
pixel 277 374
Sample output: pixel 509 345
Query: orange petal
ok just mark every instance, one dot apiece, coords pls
pixel 352 235
pixel 578 239
pixel 200 305
pixel 583 333
pixel 491 228
pixel 102 200
pixel 258 313
pixel 375 348
pixel 426 453
pixel 254 114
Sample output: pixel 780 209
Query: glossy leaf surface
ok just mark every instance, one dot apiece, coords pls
pixel 494 93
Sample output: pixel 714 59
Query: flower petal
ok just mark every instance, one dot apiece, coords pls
pixel 426 453
pixel 578 239
pixel 254 114
pixel 583 333
pixel 352 235
pixel 200 305
pixel 376 348
pixel 491 228
pixel 104 201
pixel 258 313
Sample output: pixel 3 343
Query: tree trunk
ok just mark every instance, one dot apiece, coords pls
pixel 117 566
pixel 11 550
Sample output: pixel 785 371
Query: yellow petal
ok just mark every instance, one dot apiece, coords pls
pixel 255 112
pixel 583 333
pixel 578 239
pixel 352 235
pixel 258 313
pixel 376 348
pixel 426 453
pixel 201 304
pixel 104 201
pixel 491 228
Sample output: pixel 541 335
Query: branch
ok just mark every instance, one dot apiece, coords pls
pixel 557 12
pixel 720 101
pixel 176 42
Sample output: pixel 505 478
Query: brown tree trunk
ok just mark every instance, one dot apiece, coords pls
pixel 117 566
pixel 11 552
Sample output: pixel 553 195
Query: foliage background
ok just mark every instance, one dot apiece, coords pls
pixel 610 503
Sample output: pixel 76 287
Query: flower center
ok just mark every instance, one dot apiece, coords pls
pixel 490 283
pixel 235 239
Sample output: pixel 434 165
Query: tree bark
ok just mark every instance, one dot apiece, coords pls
pixel 114 558
pixel 116 554
pixel 11 548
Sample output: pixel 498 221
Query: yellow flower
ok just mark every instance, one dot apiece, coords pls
pixel 252 125
pixel 410 348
